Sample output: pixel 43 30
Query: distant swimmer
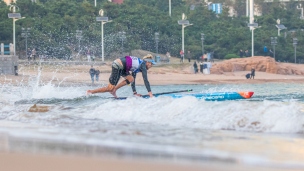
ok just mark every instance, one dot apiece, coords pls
pixel 122 67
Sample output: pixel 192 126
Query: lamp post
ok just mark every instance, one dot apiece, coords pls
pixel 156 41
pixel 247 8
pixel 300 8
pixel 78 36
pixel 103 20
pixel 252 25
pixel 184 24
pixel 280 26
pixel 170 8
pixel 122 36
pixel 295 42
pixel 15 16
pixel 95 3
pixel 273 43
pixel 25 33
pixel 203 38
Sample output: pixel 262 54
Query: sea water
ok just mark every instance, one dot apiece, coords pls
pixel 266 130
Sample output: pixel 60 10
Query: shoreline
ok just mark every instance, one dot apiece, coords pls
pixel 174 73
pixel 83 79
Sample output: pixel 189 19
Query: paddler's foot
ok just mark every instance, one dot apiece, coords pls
pixel 114 93
pixel 89 92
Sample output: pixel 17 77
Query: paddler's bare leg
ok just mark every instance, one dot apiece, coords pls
pixel 108 88
pixel 128 80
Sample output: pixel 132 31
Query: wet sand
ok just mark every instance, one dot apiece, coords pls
pixel 38 162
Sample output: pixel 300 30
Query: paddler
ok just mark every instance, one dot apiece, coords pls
pixel 122 67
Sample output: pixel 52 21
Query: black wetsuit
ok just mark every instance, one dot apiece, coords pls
pixel 124 71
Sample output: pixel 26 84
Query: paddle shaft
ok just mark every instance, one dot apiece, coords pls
pixel 170 92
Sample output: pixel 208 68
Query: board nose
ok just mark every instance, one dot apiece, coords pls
pixel 246 94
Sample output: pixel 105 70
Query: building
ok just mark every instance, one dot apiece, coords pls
pixel 9 1
pixel 117 1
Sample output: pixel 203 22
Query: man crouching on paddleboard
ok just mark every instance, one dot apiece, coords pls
pixel 122 67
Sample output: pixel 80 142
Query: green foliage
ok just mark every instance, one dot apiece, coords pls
pixel 229 56
pixel 54 23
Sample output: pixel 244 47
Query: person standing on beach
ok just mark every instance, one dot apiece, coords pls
pixel 252 73
pixel 189 56
pixel 122 67
pixel 201 67
pixel 92 73
pixel 89 55
pixel 168 56
pixel 97 72
pixel 246 53
pixel 271 53
pixel 195 67
pixel 28 53
pixel 241 53
pixel 34 54
pixel 265 50
pixel 181 56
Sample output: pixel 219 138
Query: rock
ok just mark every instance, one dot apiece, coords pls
pixel 36 108
pixel 260 63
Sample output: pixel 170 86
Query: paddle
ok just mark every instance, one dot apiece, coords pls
pixel 156 94
pixel 58 100
pixel 170 92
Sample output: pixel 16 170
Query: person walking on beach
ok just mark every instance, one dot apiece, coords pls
pixel 252 73
pixel 189 56
pixel 122 67
pixel 181 56
pixel 92 73
pixel 97 72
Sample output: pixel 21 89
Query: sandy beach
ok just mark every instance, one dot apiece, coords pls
pixel 161 74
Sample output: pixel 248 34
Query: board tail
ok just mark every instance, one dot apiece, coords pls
pixel 246 94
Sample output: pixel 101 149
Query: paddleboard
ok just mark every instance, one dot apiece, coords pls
pixel 216 96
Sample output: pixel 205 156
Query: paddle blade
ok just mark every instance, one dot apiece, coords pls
pixel 246 94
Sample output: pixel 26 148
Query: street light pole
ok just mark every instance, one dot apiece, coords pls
pixel 202 38
pixel 78 36
pixel 95 3
pixel 300 8
pixel 273 43
pixel 247 8
pixel 156 41
pixel 103 21
pixel 25 33
pixel 184 24
pixel 295 42
pixel 122 36
pixel 15 16
pixel 252 25
pixel 170 8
